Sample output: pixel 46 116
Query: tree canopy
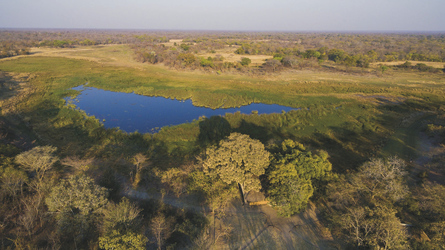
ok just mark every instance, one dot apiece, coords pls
pixel 291 172
pixel 364 204
pixel 76 203
pixel 238 158
pixel 39 160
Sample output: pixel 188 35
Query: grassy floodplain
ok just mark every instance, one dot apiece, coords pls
pixel 351 115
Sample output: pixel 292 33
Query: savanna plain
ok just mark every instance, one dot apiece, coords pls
pixel 358 163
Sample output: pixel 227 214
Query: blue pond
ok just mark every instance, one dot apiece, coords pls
pixel 131 112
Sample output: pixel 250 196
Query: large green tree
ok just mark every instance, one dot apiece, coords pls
pixel 291 173
pixel 76 204
pixel 238 158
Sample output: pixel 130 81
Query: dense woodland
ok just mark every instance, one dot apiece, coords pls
pixel 67 182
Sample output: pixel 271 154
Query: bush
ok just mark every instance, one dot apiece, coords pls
pixel 245 61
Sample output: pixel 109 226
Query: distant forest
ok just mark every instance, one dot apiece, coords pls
pixel 288 50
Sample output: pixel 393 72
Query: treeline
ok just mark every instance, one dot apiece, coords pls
pixel 420 67
pixel 8 49
pixel 390 47
pixel 18 42
pixel 355 46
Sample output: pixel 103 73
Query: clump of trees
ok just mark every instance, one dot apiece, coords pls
pixel 9 49
pixel 364 211
pixel 292 174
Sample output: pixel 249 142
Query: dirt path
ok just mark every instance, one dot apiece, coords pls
pixel 261 228
pixel 256 227
pixel 169 200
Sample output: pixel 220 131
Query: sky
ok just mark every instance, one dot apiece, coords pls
pixel 236 15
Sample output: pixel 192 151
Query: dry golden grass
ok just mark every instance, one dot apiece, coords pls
pixel 172 42
pixel 439 65
pixel 257 60
pixel 113 55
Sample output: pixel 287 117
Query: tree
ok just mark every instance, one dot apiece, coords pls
pixel 12 181
pixel 76 203
pixel 218 195
pixel 311 53
pixel 77 194
pixel 184 46
pixel 290 175
pixel 240 51
pixel 176 179
pixel 187 58
pixel 383 178
pixel 140 162
pixel 431 200
pixel 238 159
pixel 245 61
pixel 207 62
pixel 383 68
pixel 161 227
pixel 79 165
pixel 121 216
pixel 272 64
pixel 129 240
pixel 38 160
pixel 290 61
pixel 363 204
pixel 336 55
pixel 373 227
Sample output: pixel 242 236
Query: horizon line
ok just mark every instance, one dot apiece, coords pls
pixel 228 30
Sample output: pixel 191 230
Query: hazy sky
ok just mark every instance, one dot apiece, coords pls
pixel 280 15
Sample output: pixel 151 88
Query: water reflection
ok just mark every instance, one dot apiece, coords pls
pixel 131 112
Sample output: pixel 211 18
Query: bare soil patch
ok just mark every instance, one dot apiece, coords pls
pixel 260 227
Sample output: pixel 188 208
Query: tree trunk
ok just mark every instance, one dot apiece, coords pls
pixel 243 197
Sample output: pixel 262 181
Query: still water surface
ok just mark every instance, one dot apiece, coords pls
pixel 131 112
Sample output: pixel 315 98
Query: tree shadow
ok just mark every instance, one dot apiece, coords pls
pixel 212 130
pixel 254 131
pixel 342 157
pixel 251 229
pixel 8 86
